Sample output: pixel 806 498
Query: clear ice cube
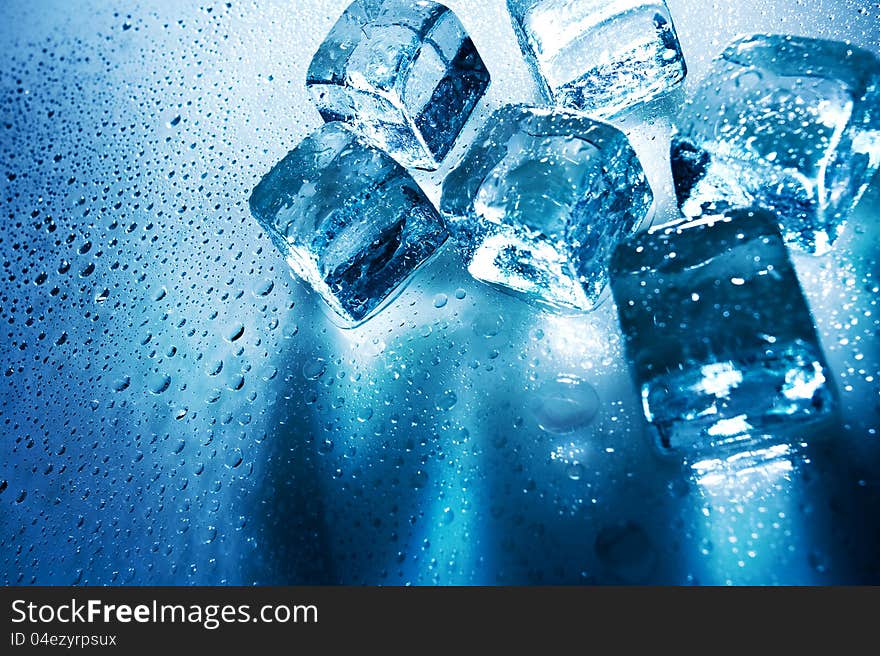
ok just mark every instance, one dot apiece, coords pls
pixel 599 56
pixel 403 74
pixel 786 123
pixel 720 339
pixel 350 220
pixel 540 200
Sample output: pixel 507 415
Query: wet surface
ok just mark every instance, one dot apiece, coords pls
pixel 176 409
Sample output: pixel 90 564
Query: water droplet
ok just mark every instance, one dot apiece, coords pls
pixel 575 471
pixel 235 332
pixel 159 383
pixel 440 300
pixel 488 324
pixel 419 479
pixel 446 400
pixel 234 458
pixel 265 288
pixel 121 384
pixel 314 368
pixel 564 406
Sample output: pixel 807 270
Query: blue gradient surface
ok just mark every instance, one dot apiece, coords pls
pixel 176 409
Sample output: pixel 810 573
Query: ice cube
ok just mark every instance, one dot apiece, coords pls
pixel 350 220
pixel 719 337
pixel 403 74
pixel 599 56
pixel 786 123
pixel 540 200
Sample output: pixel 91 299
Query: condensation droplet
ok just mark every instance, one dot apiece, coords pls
pixel 314 368
pixel 564 406
pixel 159 383
pixel 121 384
pixel 235 332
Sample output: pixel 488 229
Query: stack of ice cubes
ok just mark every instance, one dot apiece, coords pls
pixel 547 201
pixel 538 202
pixel 395 81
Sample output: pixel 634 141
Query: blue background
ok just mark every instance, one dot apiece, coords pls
pixel 176 409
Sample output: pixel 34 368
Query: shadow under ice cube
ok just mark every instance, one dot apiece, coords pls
pixel 719 337
pixel 403 74
pixel 350 220
pixel 541 199
pixel 599 56
pixel 787 123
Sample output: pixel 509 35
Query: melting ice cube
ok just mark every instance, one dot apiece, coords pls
pixel 541 199
pixel 403 74
pixel 719 336
pixel 350 220
pixel 786 123
pixel 599 56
